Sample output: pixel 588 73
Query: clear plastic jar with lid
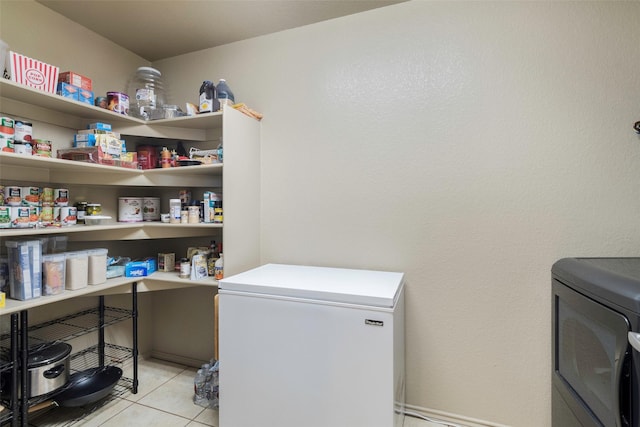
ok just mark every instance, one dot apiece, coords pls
pixel 147 94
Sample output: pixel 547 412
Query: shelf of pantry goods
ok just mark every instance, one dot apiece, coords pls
pixel 23 101
pixel 116 231
pixel 43 169
pixel 157 281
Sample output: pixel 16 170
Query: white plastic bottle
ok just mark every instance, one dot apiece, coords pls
pixel 218 269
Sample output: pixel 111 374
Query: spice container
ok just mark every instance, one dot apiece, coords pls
pixel 174 211
pixel 185 268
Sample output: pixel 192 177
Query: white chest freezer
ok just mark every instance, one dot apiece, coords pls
pixel 311 346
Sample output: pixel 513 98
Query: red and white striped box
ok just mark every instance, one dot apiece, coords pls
pixel 33 73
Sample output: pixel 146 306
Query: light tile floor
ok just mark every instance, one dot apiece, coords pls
pixel 163 400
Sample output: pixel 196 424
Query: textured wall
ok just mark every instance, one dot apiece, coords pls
pixel 469 144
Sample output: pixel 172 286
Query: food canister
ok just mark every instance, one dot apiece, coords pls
pixel 97 272
pixel 151 209
pixel 77 270
pixel 130 209
pixel 118 102
pixel 46 214
pixel 22 147
pixel 93 209
pixel 1 195
pixel 34 215
pixel 61 197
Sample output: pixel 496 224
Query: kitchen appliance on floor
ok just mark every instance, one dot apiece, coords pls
pixel 311 346
pixel 596 342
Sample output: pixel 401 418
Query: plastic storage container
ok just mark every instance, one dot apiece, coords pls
pixel 97 271
pixel 77 272
pixel 147 95
pixel 25 263
pixel 53 274
pixel 224 94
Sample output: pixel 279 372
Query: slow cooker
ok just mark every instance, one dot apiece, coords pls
pixel 48 369
pixel 48 366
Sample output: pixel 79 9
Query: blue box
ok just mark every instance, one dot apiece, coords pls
pixel 86 96
pixel 84 140
pixel 99 126
pixel 140 268
pixel 68 91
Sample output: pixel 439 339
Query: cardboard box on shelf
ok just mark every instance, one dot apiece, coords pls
pixel 76 79
pixel 33 73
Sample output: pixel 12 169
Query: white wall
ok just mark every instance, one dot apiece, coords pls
pixel 468 144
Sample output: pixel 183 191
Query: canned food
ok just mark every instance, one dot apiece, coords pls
pixel 23 131
pixel 151 209
pixel 22 147
pixel 1 195
pixel 81 211
pixel 7 131
pixel 46 214
pixel 20 216
pixel 130 209
pixel 12 196
pixel 61 197
pixel 34 215
pixel 41 147
pixel 30 196
pixel 46 196
pixel 101 102
pixel 5 217
pixel 68 215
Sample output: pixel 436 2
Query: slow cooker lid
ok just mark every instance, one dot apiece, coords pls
pixel 45 354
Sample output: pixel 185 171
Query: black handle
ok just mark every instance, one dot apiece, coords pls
pixel 53 372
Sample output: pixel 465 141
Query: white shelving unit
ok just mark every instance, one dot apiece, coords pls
pixel 238 177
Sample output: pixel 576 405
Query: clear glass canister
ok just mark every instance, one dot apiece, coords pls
pixel 147 94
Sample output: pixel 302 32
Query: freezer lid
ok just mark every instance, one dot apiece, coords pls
pixel 340 285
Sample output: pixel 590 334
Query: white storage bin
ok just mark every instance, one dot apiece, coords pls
pixel 77 272
pixel 97 273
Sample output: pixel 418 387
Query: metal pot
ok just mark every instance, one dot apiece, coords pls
pixel 48 368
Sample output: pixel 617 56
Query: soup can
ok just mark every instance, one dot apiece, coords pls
pixel 30 196
pixel 118 102
pixel 12 196
pixel 22 147
pixel 20 216
pixel 5 217
pixel 2 195
pixel 130 209
pixel 61 197
pixel 7 131
pixel 46 214
pixel 46 196
pixel 68 215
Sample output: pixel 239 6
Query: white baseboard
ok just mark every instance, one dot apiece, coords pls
pixel 187 361
pixel 446 417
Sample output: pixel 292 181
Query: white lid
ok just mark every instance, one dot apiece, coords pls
pixel 78 254
pixel 362 287
pixel 97 251
pixel 53 258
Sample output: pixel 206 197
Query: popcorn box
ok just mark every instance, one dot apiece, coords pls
pixel 33 73
pixel 76 79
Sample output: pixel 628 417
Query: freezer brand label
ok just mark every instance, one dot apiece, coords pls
pixel 373 322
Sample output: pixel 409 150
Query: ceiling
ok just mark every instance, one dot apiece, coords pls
pixel 158 29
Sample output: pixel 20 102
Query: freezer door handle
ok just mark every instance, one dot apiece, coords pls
pixel 634 340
